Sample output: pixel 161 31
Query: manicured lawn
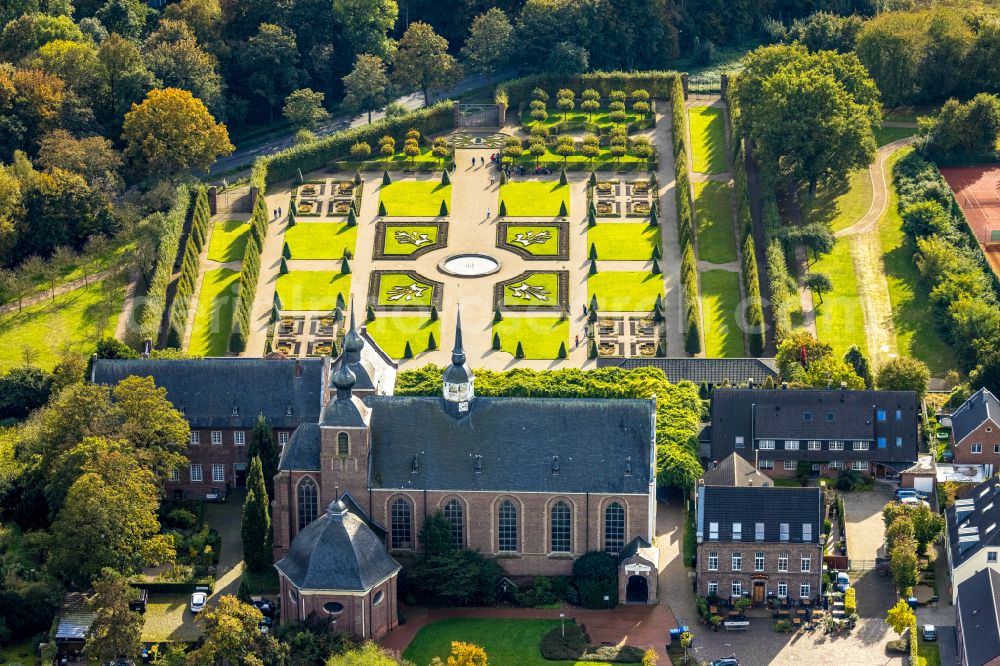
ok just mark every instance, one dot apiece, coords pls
pixel 604 157
pixel 507 642
pixel 392 333
pixel 401 159
pixel 549 284
pixel 313 290
pixel 708 139
pixel 714 217
pixel 600 117
pixel 720 300
pixel 393 246
pixel 884 135
pixel 229 240
pixel 213 320
pixel 167 618
pixel 534 198
pixel 321 240
pixel 623 241
pixel 76 269
pixel 392 284
pixel 916 335
pixel 80 317
pixel 625 291
pixel 518 236
pixel 414 198
pixel 841 206
pixel 540 337
pixel 839 319
pixel 928 654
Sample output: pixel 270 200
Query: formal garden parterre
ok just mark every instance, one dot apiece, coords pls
pixel 535 240
pixel 406 240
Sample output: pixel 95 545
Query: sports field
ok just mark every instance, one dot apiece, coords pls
pixel 977 190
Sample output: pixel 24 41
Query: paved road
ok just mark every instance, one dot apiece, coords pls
pixel 246 153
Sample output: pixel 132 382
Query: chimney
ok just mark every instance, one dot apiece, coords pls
pixel 843 386
pixel 715 464
pixel 784 386
pixel 750 382
pixel 298 368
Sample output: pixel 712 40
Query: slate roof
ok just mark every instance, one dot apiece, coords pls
pixel 973 522
pixel 749 506
pixel 709 371
pixel 374 370
pixel 207 390
pixel 302 451
pixel 734 470
pixel 339 552
pixel 813 414
pixel 981 406
pixel 978 615
pixel 515 442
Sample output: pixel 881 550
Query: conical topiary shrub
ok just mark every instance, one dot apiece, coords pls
pixel 593 303
pixel 283 268
pixel 656 251
pixel 562 350
pixel 563 180
pixel 340 302
pixel 291 219
pixel 591 219
pixel 656 268
pixel 370 313
pixel 593 267
pixel 592 352
pixel 593 179
pixel 408 351
pixel 562 209
pixel 503 177
pixel 434 313
pixel 357 176
pixel 592 208
pixel 334 352
pixel 286 252
pixel 654 221
pixel 496 342
pixel 445 180
pixel 444 208
pixel 503 209
pixel 658 305
pixel 519 352
pixel 593 252
pixel 386 180
pixel 497 316
pixel 275 313
pixel 661 349
pixel 345 268
pixel 352 219
pixel 431 342
pixel 381 209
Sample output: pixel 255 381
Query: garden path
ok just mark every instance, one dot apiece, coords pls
pixel 270 264
pixel 64 288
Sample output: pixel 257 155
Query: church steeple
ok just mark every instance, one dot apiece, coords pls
pixel 353 343
pixel 458 353
pixel 344 380
pixel 458 378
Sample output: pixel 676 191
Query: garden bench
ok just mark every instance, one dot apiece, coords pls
pixel 736 625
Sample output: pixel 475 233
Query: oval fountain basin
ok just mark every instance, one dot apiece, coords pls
pixel 469 265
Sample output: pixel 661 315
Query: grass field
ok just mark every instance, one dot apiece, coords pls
pixel 720 300
pixel 229 240
pixel 884 135
pixel 625 291
pixel 623 241
pixel 546 248
pixel 313 290
pixel 547 281
pixel 604 157
pixel 321 240
pixel 714 217
pixel 392 333
pixel 394 247
pixel 843 205
pixel 78 318
pixel 708 139
pixel 839 319
pixel 534 198
pixel 76 269
pixel 928 654
pixel 916 335
pixel 213 320
pixel 540 337
pixel 414 198
pixel 400 282
pixel 599 118
pixel 167 619
pixel 507 642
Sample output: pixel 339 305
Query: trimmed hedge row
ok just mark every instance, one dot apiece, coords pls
pixel 163 265
pixel 660 84
pixel 685 225
pixel 190 265
pixel 249 273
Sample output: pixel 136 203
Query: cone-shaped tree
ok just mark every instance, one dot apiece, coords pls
pixel 496 342
pixel 562 350
pixel 654 209
pixel 563 180
pixel 434 313
pixel 352 219
pixel 255 528
pixel 656 252
pixel 654 185
pixel 593 251
pixel 263 446
pixel 267 347
pixel 444 208
pixel 562 209
pixel 593 267
pixel 445 180
pixel 656 268
pixel 340 302
pixel 593 303
pixel 275 313
pixel 345 268
pixel 592 208
pixel 658 305
pixel 503 209
pixel 661 349
pixel 244 592
pixel 386 180
pixel 592 352
pixel 277 300
pixel 654 221
pixel 286 251
pixel 519 352
pixel 338 314
pixel 431 342
pixel 334 352
pixel 593 179
pixel 370 313
pixel 381 209
pixel 291 219
pixel 283 268
pixel 497 316
pixel 295 209
pixel 408 351
pixel 357 176
pixel 591 219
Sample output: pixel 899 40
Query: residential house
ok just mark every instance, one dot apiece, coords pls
pixel 972 535
pixel 975 430
pixel 978 619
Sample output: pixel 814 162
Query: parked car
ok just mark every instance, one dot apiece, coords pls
pixel 727 661
pixel 265 625
pixel 902 493
pixel 929 632
pixel 139 605
pixel 914 501
pixel 265 606
pixel 843 581
pixel 198 601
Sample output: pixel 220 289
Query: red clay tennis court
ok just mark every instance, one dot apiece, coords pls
pixel 977 190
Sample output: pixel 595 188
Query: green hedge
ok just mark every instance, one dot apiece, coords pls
pixel 246 289
pixel 659 84
pixel 163 265
pixel 914 645
pixel 350 166
pixel 691 304
pixel 190 265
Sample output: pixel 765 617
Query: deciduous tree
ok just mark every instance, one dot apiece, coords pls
pixel 232 635
pixel 900 617
pixel 365 26
pixel 423 62
pixel 116 630
pixel 304 108
pixel 366 88
pixel 487 50
pixel 270 62
pixel 904 374
pixel 467 654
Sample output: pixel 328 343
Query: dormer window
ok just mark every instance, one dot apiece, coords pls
pixel 880 415
pixel 807 417
pixel 831 417
pixel 759 532
pixel 414 466
pixel 555 465
pixel 713 531
pixel 783 535
pixel 628 466
pixel 807 532
pixel 479 465
pixel 737 531
pixel 288 409
pixel 236 410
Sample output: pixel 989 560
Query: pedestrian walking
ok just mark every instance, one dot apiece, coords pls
pixel 487 213
pixel 482 161
pixel 576 341
pixel 473 162
pixel 491 181
pixel 585 310
pixel 279 211
pixel 275 211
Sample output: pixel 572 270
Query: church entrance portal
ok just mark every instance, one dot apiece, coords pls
pixel 637 590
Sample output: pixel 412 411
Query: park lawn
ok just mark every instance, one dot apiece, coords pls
pixel 714 217
pixel 313 290
pixel 534 198
pixel 394 247
pixel 229 240
pixel 843 205
pixel 547 281
pixel 928 654
pixel 167 619
pixel 547 248
pixel 213 321
pixel 507 642
pixel 884 135
pixel 916 334
pixel 80 317
pixel 321 240
pixel 720 301
pixel 603 157
pixel 414 198
pixel 540 337
pixel 576 117
pixel 840 321
pixel 78 268
pixel 392 333
pixel 623 240
pixel 390 281
pixel 401 159
pixel 708 139
pixel 625 291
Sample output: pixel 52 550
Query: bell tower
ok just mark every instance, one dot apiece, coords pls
pixel 458 378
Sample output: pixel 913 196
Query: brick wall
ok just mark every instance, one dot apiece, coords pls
pixel 988 442
pixel 372 614
pixel 779 471
pixel 793 577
